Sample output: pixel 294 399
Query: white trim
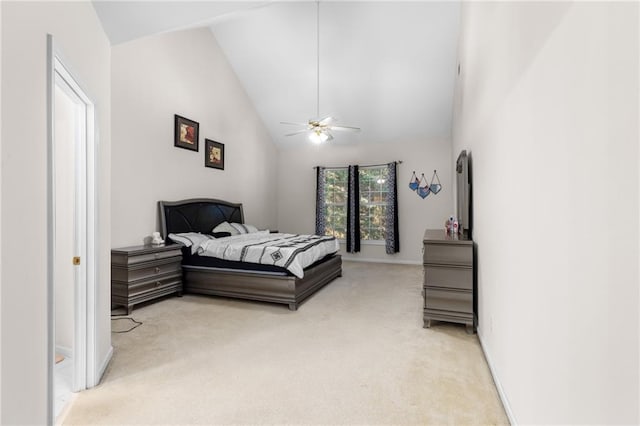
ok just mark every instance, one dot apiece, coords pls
pixel 50 232
pixel 496 381
pixel 66 410
pixel 372 242
pixel 373 260
pixel 92 377
pixel 364 242
pixel 104 364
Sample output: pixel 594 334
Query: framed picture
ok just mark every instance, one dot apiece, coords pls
pixel 186 133
pixel 213 154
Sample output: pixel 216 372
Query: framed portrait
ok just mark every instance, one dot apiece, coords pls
pixel 186 133
pixel 213 154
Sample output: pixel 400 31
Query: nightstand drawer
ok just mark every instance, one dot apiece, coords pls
pixel 449 277
pixel 124 259
pixel 448 254
pixel 146 270
pixel 449 300
pixel 137 288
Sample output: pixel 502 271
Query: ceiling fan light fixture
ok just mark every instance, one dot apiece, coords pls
pixel 318 136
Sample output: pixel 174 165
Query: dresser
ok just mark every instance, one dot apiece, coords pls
pixel 142 273
pixel 448 279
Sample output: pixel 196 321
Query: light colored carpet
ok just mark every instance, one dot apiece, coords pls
pixel 354 353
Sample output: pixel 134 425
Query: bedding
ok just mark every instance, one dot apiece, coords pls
pixel 290 251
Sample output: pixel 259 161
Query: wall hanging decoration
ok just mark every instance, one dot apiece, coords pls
pixel 435 187
pixel 414 182
pixel 185 133
pixel 213 154
pixel 423 187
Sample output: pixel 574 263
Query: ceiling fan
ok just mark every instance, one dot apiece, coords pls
pixel 319 129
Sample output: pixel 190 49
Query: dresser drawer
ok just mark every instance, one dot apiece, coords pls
pixel 456 277
pixel 448 254
pixel 449 300
pixel 125 259
pixel 146 270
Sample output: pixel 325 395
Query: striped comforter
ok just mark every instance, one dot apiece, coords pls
pixel 293 252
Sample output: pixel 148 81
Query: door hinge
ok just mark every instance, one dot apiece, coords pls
pixel 76 260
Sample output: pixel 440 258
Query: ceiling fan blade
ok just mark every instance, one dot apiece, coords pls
pixel 349 128
pixel 294 124
pixel 326 120
pixel 297 133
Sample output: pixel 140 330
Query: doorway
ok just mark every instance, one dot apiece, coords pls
pixel 71 235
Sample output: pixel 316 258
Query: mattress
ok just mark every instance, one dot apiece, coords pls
pixel 189 259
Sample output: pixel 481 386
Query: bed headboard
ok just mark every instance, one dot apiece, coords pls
pixel 197 215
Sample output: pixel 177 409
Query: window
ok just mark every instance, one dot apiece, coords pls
pixel 335 205
pixel 373 202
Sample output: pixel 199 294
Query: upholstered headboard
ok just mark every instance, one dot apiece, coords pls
pixel 197 215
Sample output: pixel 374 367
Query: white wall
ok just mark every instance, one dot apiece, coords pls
pixel 79 35
pixel 297 189
pixel 183 73
pixel 547 104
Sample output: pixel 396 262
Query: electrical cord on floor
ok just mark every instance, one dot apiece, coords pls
pixel 137 324
pixel 124 317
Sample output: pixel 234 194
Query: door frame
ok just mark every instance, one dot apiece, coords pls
pixel 84 346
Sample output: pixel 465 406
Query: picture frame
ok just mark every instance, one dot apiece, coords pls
pixel 186 133
pixel 213 154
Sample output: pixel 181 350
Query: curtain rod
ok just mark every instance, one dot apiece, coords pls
pixel 366 165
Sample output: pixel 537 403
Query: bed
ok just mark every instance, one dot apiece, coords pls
pixel 238 279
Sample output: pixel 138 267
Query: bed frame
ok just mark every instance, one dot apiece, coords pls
pixel 202 215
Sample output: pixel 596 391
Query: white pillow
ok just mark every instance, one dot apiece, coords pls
pixel 243 228
pixel 235 228
pixel 225 227
pixel 191 239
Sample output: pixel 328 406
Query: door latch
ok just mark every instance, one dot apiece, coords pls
pixel 76 260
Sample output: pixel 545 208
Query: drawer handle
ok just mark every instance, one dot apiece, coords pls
pixel 156 255
pixel 157 270
pixel 157 283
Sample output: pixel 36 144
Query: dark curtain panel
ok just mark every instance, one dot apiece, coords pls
pixel 353 211
pixel 392 239
pixel 320 199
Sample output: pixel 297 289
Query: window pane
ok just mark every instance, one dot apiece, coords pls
pixel 335 202
pixel 373 198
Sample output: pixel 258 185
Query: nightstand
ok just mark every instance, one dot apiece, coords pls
pixel 448 279
pixel 142 273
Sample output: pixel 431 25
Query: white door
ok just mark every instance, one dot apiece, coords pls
pixel 72 260
pixel 70 227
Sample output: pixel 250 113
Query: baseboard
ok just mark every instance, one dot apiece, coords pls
pixel 59 421
pixel 372 260
pixel 64 351
pixel 104 364
pixel 496 381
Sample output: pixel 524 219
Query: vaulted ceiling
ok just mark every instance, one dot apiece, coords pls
pixel 387 67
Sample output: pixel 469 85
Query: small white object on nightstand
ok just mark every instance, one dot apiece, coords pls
pixel 156 239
